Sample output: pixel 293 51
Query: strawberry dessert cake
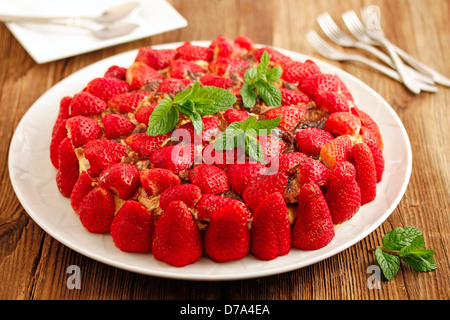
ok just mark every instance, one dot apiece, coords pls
pixel 218 151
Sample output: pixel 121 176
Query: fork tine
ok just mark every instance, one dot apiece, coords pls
pixel 354 25
pixel 332 30
pixel 320 45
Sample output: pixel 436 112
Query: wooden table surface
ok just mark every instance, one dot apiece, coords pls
pixel 33 265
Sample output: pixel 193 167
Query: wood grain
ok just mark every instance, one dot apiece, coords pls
pixel 33 266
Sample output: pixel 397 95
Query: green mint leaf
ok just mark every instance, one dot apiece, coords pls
pixel 263 63
pixel 248 123
pixel 223 99
pixel 416 244
pixel 274 74
pixel 253 148
pixel 251 75
pixel 421 261
pixel 181 97
pixel 267 124
pixel 163 119
pixel 227 139
pixel 248 95
pixel 197 122
pixel 389 264
pixel 398 238
pixel 269 93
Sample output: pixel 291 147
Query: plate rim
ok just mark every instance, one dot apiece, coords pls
pixel 214 277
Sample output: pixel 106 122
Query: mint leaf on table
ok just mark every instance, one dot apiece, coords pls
pixel 193 102
pixel 244 134
pixel 407 245
pixel 259 82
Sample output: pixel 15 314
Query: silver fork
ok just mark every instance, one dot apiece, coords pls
pixel 331 53
pixel 332 30
pixel 357 29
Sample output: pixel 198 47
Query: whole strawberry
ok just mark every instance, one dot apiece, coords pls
pixel 188 193
pixel 141 76
pixel 176 238
pixel 209 178
pixel 311 140
pixel 222 47
pixel 332 102
pixel 242 174
pixel 116 126
pixel 290 116
pixel 286 162
pixel 156 180
pixel 144 144
pixel 59 134
pixel 143 114
pixel 68 168
pixel 368 122
pixel 235 115
pixel 84 184
pixel 97 210
pixel 343 193
pixel 260 189
pixel 122 179
pixel 313 228
pixel 270 235
pixel 106 88
pixel 81 129
pixel 101 153
pixel 132 228
pixel 366 174
pixel 336 150
pixel 377 152
pixel 227 236
pixel 176 157
pixel 156 58
pixel 275 55
pixel 127 102
pixel 312 170
pixel 314 85
pixel 86 104
pixel 115 72
pixel 296 71
pixel 191 52
pixel 180 68
pixel 341 123
pixel 216 81
pixel 293 97
pixel 209 203
pixel 174 86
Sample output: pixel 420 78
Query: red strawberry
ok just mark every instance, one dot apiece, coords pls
pixel 366 174
pixel 313 228
pixel 312 170
pixel 127 102
pixel 235 115
pixel 174 85
pixel 222 47
pixel 86 104
pixel 187 132
pixel 180 69
pixel 216 81
pixel 338 149
pixel 225 66
pixel 122 179
pixel 143 114
pixel 271 146
pixel 242 174
pixel 188 193
pixel 290 116
pixel 244 42
pixel 176 238
pixel 116 126
pixel 292 97
pixel 369 123
pixel 260 189
pixel 68 168
pixel 190 52
pixel 343 193
pixel 209 203
pixel 176 158
pixel 102 153
pixel 311 140
pixel 106 88
pixel 141 76
pixel 270 235
pixel 296 71
pixel 220 158
pixel 116 72
pixel 81 129
pixel 274 55
pixel 97 210
pixel 59 134
pixel 286 162
pixel 332 102
pixel 341 123
pixel 156 180
pixel 343 89
pixel 316 84
pixel 63 113
pixel 144 144
pixel 156 58
pixel 209 178
pixel 81 188
pixel 132 228
pixel 372 142
pixel 227 236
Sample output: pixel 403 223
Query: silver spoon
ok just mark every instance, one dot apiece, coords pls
pixel 108 16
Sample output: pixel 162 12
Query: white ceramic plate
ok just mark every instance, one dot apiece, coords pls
pixel 33 178
pixel 45 42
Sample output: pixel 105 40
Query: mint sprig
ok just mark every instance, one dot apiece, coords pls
pixel 243 134
pixel 259 81
pixel 193 102
pixel 407 245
